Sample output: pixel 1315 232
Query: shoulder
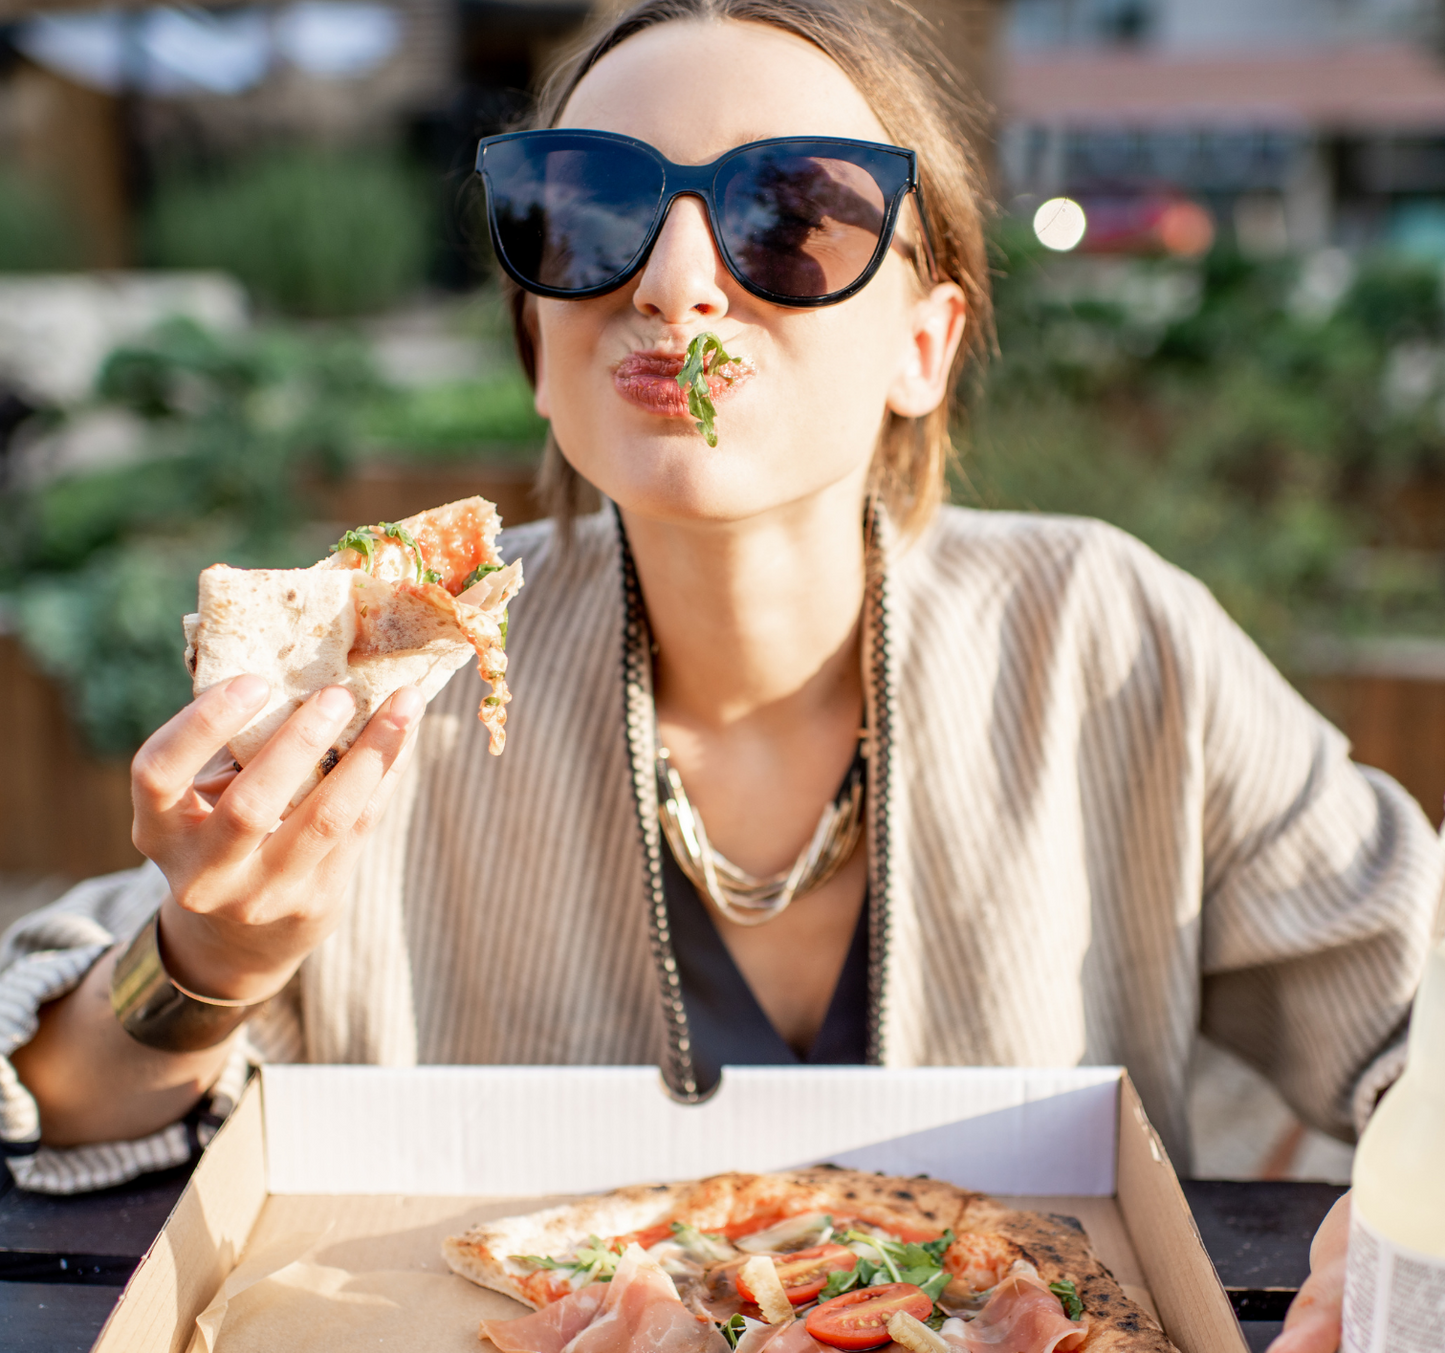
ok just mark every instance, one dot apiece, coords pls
pixel 539 545
pixel 562 574
pixel 1061 561
pixel 1043 598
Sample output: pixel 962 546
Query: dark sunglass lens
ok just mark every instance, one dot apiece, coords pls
pixel 571 212
pixel 800 225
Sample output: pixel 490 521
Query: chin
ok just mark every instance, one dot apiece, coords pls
pixel 683 480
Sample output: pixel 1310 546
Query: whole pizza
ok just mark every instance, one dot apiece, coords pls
pixel 804 1261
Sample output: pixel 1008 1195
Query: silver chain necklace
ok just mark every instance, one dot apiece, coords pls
pixel 740 896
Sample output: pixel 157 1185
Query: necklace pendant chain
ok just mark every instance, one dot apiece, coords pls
pixel 742 897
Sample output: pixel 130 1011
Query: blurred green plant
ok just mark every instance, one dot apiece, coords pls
pixel 1251 432
pixel 35 233
pixel 455 418
pixel 309 232
pixel 99 567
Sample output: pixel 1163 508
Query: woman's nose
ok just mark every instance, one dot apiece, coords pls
pixel 683 277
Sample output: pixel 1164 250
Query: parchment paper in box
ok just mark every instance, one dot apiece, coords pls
pixel 382 1163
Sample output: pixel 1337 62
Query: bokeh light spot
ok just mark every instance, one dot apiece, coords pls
pixel 1060 224
pixel 1185 228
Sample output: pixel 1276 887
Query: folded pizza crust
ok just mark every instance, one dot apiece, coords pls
pixel 338 625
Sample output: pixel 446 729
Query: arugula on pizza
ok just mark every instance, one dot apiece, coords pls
pixel 807 1261
pixel 394 604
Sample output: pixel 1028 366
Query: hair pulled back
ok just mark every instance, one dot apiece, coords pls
pixel 882 51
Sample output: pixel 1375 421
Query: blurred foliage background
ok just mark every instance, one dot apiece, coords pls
pixel 1276 428
pixel 36 233
pixel 308 231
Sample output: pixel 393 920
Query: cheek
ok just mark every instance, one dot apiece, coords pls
pixel 568 373
pixel 850 357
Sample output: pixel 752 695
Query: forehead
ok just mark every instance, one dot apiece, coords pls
pixel 696 88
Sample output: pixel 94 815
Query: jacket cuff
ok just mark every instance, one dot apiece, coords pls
pixel 1378 1077
pixel 24 987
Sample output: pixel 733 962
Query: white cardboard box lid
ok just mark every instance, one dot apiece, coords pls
pixel 515 1131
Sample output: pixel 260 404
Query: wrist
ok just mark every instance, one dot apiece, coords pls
pixel 201 959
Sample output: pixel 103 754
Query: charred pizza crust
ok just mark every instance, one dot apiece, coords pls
pixel 1056 1246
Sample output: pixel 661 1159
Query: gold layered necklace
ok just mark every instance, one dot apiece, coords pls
pixel 740 896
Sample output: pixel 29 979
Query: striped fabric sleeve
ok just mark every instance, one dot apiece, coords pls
pixel 48 953
pixel 1322 885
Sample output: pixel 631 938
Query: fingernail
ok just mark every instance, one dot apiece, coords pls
pixel 336 703
pixel 407 706
pixel 247 691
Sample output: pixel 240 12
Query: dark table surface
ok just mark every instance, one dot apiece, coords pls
pixel 63 1261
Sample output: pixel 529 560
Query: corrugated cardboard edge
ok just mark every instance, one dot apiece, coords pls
pixel 200 1242
pixel 1192 1303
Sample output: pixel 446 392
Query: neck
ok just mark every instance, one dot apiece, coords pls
pixel 756 622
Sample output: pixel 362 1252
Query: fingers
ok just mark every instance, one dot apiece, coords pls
pixel 350 799
pixel 336 868
pixel 252 805
pixel 1312 1324
pixel 175 753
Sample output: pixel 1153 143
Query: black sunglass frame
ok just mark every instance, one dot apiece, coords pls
pixel 697 180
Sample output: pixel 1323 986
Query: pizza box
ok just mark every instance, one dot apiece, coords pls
pixel 314 1218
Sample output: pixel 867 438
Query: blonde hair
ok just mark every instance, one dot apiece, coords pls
pixel 881 52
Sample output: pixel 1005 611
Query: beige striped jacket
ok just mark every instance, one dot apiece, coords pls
pixel 1098 822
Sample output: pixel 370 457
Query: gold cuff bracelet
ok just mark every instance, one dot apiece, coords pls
pixel 154 1009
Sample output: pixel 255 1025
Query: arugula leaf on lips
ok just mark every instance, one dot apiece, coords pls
pixel 693 380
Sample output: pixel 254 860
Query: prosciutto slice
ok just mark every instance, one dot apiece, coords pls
pixel 1022 1316
pixel 790 1338
pixel 637 1312
pixel 552 1328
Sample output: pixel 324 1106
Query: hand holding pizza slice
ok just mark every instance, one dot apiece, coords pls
pixel 395 604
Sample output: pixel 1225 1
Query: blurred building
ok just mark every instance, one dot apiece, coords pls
pixel 1297 123
pixel 100 101
pixel 96 102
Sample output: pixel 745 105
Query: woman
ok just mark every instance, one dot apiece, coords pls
pixel 1093 816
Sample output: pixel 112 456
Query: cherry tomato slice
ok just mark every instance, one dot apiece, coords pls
pixel 804 1273
pixel 859 1319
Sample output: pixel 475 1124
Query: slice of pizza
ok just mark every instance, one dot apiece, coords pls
pixel 395 604
pixel 801 1262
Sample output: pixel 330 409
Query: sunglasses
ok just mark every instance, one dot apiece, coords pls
pixel 798 220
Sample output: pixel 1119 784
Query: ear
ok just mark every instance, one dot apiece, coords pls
pixel 934 331
pixel 540 400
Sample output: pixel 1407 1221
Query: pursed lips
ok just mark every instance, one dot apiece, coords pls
pixel 649 380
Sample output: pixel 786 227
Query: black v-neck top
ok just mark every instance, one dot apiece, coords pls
pixel 725 1022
